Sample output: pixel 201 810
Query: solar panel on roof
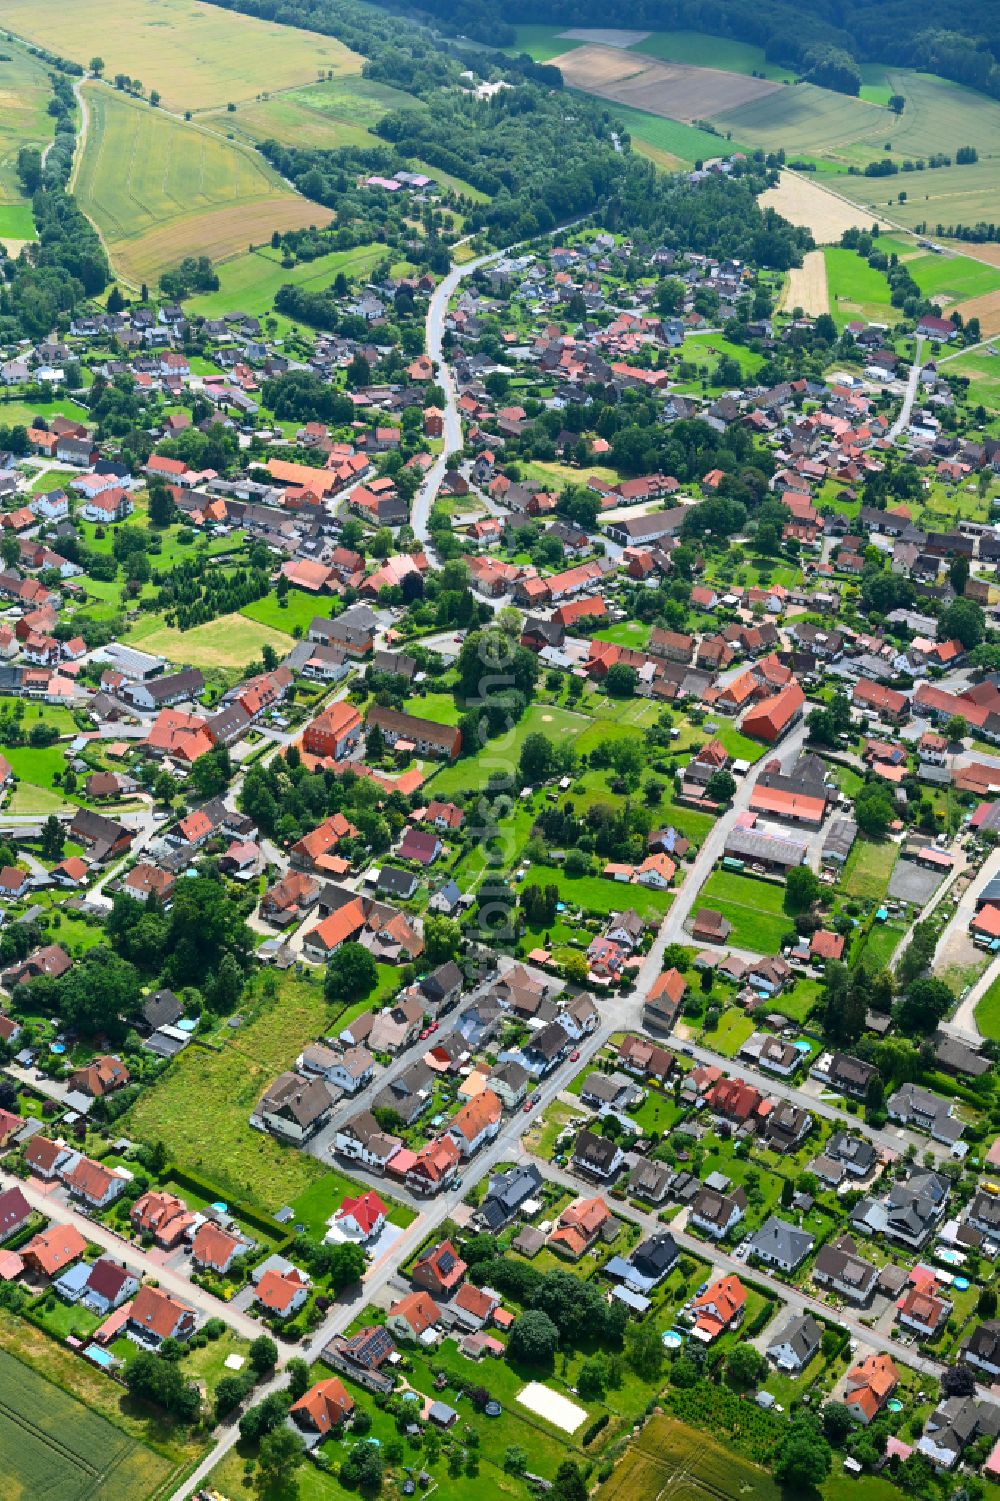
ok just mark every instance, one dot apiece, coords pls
pixel 445 1262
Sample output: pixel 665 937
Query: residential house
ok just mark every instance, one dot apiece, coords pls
pixel 796 1344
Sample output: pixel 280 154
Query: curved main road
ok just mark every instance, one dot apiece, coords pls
pixel 436 314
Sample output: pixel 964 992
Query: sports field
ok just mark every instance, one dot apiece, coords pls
pixel 51 1445
pixel 25 92
pixel 158 189
pixel 340 112
pixel 250 281
pixel 198 56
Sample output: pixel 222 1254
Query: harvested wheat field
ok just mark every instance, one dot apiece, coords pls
pixel 985 308
pixel 824 214
pixel 987 252
pixel 676 91
pixel 806 286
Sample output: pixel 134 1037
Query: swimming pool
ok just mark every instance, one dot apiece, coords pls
pixel 949 1256
pixel 103 1358
pixel 961 1284
pixel 671 1339
pixel 894 1404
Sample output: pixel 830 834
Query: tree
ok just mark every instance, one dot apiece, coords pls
pixel 926 1003
pixel 299 1380
pixel 161 505
pixel 958 574
pixel 264 1416
pixel 280 1454
pixel 442 939
pixel 535 761
pixel 644 1351
pixel 97 66
pixel 515 1460
pixel 720 786
pixel 987 1304
pixel 897 103
pixel 962 620
pixel 873 809
pixel 569 1484
pixel 263 1354
pixel 592 1378
pixel 621 681
pixel 804 1457
pixel 837 1423
pixel 351 974
pixel 229 1394
pixel 161 1383
pixel 534 1339
pixel 956 729
pixel 745 1367
pixel 53 838
pixel 802 890
pixel 363 1468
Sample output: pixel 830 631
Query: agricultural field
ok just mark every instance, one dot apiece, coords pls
pixel 803 119
pixel 668 143
pixel 674 90
pixel 198 56
pixel 338 112
pixel 229 641
pixel 940 195
pixel 700 50
pixel 672 1459
pixel 856 290
pixel 803 201
pixel 252 280
pixel 806 287
pixel 53 1445
pixel 25 92
pixel 156 188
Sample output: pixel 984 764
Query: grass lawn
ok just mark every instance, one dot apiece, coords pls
pixel 440 707
pixel 867 870
pixel 856 289
pixel 738 746
pixel 229 641
pixel 298 609
pixel 988 1012
pixel 38 765
pixel 501 754
pixel 316 1206
pixel 732 1032
pixel 753 907
pixel 252 280
pixel 595 894
pixel 224 1086
pixel 626 633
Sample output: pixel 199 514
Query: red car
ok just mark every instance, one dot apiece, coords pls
pixel 433 1027
pixel 425 1033
pixel 574 1057
pixel 528 1105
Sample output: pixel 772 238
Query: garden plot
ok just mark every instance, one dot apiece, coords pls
pixel 555 1409
pixel 676 91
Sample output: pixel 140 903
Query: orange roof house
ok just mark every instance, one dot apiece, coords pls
pixel 870 1384
pixel 323 1407
pixel 52 1250
pixel 412 1315
pixel 579 1226
pixel 770 720
pixel 720 1307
